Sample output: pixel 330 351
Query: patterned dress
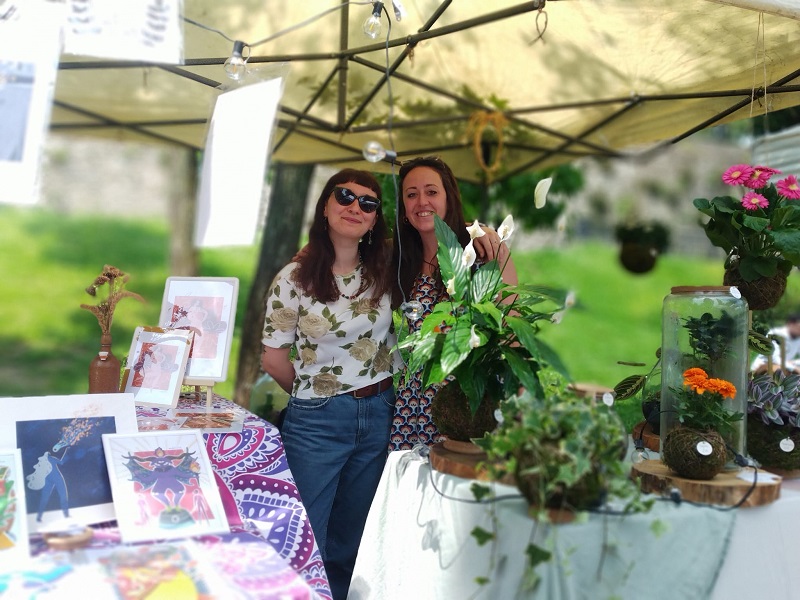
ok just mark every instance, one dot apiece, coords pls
pixel 412 413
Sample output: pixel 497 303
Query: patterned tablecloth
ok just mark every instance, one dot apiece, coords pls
pixel 262 505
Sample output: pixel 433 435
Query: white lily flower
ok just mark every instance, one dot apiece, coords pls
pixel 506 228
pixel 561 223
pixel 451 286
pixel 569 301
pixel 469 255
pixel 475 230
pixel 474 340
pixel 556 318
pixel 540 193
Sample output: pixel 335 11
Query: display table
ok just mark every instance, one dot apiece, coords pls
pixel 271 551
pixel 417 543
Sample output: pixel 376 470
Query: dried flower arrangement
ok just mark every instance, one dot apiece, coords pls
pixel 113 281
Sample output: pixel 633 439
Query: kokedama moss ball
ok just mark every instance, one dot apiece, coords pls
pixel 679 452
pixel 760 294
pixel 763 444
pixel 451 415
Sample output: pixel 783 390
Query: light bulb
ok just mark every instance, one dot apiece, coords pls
pixel 235 67
pixel 373 152
pixel 372 26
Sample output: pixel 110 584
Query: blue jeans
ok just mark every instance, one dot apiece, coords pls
pixel 336 449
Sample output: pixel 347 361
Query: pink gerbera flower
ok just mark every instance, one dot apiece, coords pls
pixel 737 174
pixel 789 188
pixel 759 177
pixel 754 201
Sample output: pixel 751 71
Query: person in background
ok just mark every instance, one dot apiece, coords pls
pixel 327 341
pixel 427 187
pixel 790 334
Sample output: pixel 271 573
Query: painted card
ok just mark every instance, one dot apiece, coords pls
pixel 207 307
pixel 163 486
pixel 63 463
pixel 212 420
pixel 157 365
pixel 14 547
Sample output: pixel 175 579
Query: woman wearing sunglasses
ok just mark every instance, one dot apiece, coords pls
pixel 428 187
pixel 327 341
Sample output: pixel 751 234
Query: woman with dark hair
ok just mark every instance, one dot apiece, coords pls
pixel 327 341
pixel 428 187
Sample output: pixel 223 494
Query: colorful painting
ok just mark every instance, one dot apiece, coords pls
pixel 156 365
pixel 205 306
pixel 13 520
pixel 163 485
pixel 61 446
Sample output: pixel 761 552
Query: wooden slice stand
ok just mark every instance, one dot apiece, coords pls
pixel 460 464
pixel 726 489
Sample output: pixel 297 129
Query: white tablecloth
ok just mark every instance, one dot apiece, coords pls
pixel 417 544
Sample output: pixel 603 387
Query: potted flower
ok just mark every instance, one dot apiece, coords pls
pixel 484 340
pixel 759 230
pixel 696 449
pixel 649 384
pixel 773 430
pixel 641 244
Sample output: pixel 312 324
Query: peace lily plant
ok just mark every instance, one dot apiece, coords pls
pixel 486 335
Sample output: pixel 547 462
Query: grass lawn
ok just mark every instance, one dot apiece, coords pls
pixel 47 260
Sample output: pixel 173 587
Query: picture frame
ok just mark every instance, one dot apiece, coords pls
pixel 14 546
pixel 63 461
pixel 206 306
pixel 157 365
pixel 163 485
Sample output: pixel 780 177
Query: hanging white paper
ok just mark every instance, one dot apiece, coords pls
pixel 147 30
pixel 235 160
pixel 30 42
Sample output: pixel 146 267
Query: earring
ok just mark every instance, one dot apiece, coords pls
pixel 405 219
pixel 370 237
pixel 325 218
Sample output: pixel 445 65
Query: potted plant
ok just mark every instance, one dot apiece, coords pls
pixel 773 430
pixel 483 342
pixel 696 449
pixel 760 232
pixel 649 384
pixel 641 244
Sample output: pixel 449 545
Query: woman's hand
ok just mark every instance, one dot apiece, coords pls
pixel 488 246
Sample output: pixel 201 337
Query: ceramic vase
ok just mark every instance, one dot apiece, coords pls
pixel 104 370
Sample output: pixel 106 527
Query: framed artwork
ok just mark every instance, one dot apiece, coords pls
pixel 207 307
pixel 157 365
pixel 163 485
pixel 14 548
pixel 61 445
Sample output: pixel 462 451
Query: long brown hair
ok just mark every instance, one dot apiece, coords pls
pixel 315 271
pixel 407 238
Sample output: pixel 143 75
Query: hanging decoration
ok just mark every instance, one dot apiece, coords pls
pixel 478 122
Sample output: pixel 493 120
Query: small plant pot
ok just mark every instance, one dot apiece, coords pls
pixel 451 414
pixel 768 444
pixel 682 452
pixel 637 258
pixel 761 294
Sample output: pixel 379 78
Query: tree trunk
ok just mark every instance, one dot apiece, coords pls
pixel 182 209
pixel 280 241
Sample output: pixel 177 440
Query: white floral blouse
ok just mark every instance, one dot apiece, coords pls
pixel 339 346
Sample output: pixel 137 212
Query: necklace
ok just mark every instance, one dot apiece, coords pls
pixel 361 287
pixel 433 264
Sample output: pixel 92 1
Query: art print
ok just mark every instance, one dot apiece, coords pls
pixel 14 548
pixel 206 307
pixel 157 365
pixel 61 447
pixel 163 486
pixel 149 30
pixel 212 420
pixel 27 81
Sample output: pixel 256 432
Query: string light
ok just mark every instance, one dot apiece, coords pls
pixel 399 10
pixel 372 26
pixel 374 152
pixel 236 67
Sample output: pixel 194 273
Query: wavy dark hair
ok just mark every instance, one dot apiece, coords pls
pixel 315 271
pixel 409 263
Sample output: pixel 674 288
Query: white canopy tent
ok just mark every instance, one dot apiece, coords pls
pixel 524 85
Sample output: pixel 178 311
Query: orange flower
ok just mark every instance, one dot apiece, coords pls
pixel 694 372
pixel 725 388
pixel 696 379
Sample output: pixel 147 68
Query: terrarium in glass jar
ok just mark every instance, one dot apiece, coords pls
pixel 704 356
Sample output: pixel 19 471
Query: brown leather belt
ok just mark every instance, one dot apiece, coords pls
pixel 372 389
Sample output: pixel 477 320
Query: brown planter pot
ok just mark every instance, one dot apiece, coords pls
pixel 760 294
pixel 680 453
pixel 637 258
pixel 104 370
pixel 451 414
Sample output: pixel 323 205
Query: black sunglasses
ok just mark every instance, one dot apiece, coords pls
pixel 346 197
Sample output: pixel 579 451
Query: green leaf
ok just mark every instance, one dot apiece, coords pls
pixel 628 387
pixel 486 282
pixel 481 535
pixel 537 555
pixel 456 346
pixel 450 255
